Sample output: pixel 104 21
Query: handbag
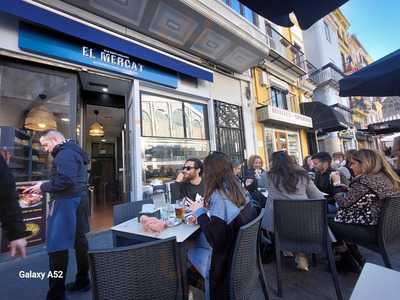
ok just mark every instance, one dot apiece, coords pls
pixel 362 212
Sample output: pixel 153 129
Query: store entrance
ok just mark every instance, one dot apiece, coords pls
pixel 104 123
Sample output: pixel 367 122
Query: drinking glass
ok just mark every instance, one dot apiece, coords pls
pixel 180 210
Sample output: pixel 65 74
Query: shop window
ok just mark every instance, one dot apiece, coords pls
pixel 164 117
pixel 162 158
pixel 278 98
pixel 195 121
pixel 33 100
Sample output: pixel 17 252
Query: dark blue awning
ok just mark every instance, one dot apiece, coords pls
pixel 307 11
pixel 49 19
pixel 381 78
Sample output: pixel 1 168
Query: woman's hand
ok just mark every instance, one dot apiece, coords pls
pixel 194 205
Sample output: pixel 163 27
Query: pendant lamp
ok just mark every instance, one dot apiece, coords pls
pixel 40 119
pixel 96 129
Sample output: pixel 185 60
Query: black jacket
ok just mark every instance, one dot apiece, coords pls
pixel 324 184
pixel 68 176
pixel 222 237
pixel 10 211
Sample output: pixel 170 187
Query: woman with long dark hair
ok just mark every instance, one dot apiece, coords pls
pixel 226 207
pixel 286 180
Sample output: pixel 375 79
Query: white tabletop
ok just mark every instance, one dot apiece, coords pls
pixel 376 282
pixel 181 232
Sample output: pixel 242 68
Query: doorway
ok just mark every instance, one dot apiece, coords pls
pixel 103 121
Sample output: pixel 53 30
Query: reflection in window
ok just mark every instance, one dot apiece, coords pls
pixel 278 98
pixel 161 158
pixel 163 117
pixel 177 121
pixel 194 114
pixel 146 119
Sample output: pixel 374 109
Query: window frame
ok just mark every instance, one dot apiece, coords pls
pixel 274 102
pixel 182 102
pixel 327 30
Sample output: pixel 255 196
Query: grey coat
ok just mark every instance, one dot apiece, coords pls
pixel 306 189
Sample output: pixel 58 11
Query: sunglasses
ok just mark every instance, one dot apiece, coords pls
pixel 188 168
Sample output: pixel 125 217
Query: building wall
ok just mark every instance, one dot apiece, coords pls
pixel 318 49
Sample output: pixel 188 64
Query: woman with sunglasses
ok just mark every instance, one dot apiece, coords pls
pixel 360 203
pixel 287 180
pixel 225 208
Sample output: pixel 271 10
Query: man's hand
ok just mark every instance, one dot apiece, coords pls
pixel 34 189
pixel 194 205
pixel 18 248
pixel 180 177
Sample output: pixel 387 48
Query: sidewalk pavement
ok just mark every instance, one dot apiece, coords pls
pixel 313 285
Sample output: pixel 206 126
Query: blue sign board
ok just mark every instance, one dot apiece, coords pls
pixel 60 46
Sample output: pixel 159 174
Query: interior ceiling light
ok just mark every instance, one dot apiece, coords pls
pixel 96 129
pixel 40 119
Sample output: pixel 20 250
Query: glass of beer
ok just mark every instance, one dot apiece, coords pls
pixel 179 210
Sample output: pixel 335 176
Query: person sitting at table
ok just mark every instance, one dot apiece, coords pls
pixel 252 175
pixel 360 204
pixel 190 183
pixel 224 210
pixel 286 180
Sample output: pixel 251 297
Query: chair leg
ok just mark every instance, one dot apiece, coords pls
pixel 314 260
pixel 278 268
pixel 385 257
pixel 334 273
pixel 262 274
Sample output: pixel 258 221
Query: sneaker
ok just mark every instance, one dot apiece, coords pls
pixel 302 262
pixel 74 287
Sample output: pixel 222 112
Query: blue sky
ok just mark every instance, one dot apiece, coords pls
pixel 376 24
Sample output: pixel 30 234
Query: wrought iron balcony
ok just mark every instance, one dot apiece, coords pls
pixel 328 74
pixel 287 54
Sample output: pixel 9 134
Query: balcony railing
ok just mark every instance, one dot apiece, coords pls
pixel 286 49
pixel 290 105
pixel 328 73
pixel 310 69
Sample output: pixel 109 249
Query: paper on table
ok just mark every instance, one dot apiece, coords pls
pixel 148 208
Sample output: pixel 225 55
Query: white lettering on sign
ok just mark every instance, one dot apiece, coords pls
pixel 272 113
pixel 113 58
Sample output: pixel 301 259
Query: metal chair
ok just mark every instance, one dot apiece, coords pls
pixel 246 270
pixel 129 210
pixel 146 271
pixel 301 226
pixel 388 230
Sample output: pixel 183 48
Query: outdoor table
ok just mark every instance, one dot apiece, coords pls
pixel 133 229
pixel 376 282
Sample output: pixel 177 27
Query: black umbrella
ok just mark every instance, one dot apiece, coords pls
pixel 307 11
pixel 381 78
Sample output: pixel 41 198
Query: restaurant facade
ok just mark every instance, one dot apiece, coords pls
pixel 139 105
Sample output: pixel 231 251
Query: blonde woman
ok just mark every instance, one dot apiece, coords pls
pixel 360 204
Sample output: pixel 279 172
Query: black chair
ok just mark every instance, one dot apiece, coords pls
pixel 246 270
pixel 388 233
pixel 175 192
pixel 129 210
pixel 100 240
pixel 146 271
pixel 301 226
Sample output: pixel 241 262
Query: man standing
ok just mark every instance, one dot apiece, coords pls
pixel 190 181
pixel 67 186
pixel 10 211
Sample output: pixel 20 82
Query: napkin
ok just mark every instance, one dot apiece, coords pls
pixel 152 224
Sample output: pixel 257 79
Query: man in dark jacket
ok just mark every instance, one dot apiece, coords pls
pixel 66 223
pixel 10 211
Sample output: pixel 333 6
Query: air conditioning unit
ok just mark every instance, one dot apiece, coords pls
pixel 264 79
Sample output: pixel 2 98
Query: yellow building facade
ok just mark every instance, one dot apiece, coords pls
pixel 279 86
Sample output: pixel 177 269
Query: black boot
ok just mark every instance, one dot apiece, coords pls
pixel 355 252
pixel 348 263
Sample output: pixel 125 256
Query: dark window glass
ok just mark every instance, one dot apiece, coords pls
pixel 278 98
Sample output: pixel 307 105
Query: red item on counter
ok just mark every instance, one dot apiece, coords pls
pixel 152 224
